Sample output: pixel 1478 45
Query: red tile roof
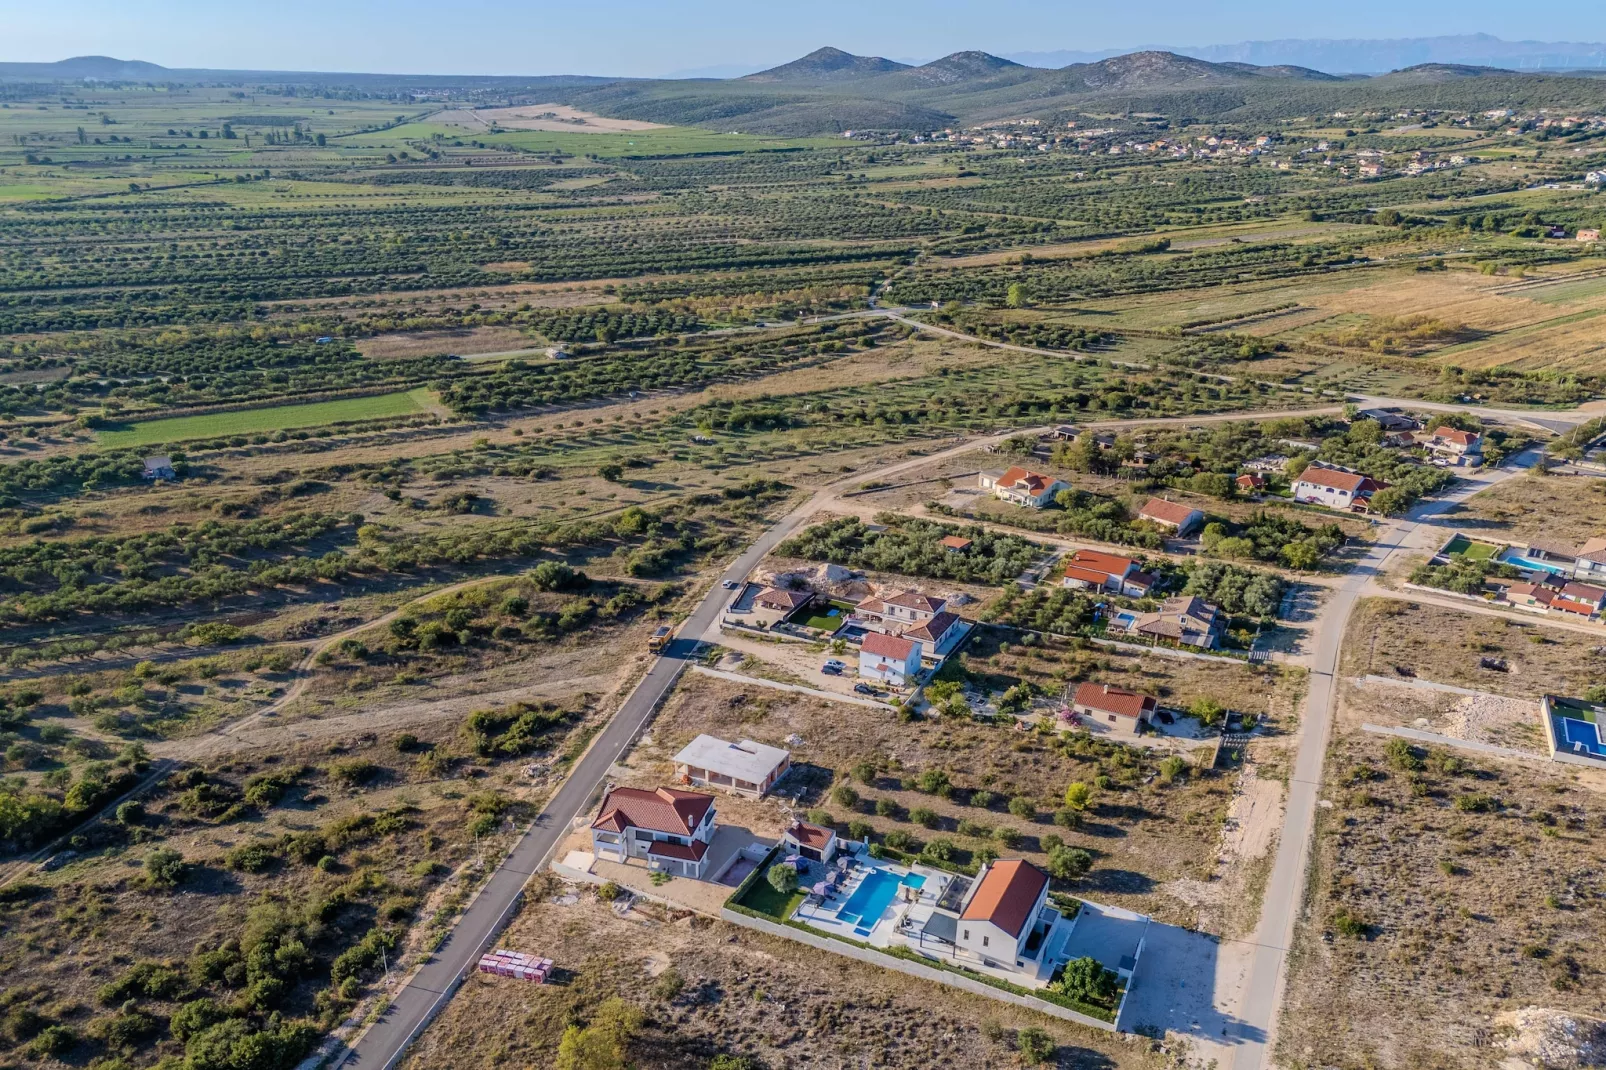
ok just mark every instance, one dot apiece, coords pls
pixel 692 852
pixel 1110 564
pixel 1529 590
pixel 1351 482
pixel 1116 700
pixel 774 596
pixel 809 835
pixel 1173 513
pixel 934 629
pixel 1569 605
pixel 1086 575
pixel 924 603
pixel 1460 438
pixel 887 646
pixel 954 542
pixel 664 810
pixel 1252 480
pixel 1017 478
pixel 1006 895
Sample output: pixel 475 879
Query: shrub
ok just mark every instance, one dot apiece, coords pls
pixel 974 829
pixel 935 782
pixel 1402 755
pixel 353 772
pixel 1008 836
pixel 670 983
pixel 1475 803
pixel 859 830
pixel 1088 980
pixel 1066 818
pixel 55 1040
pixel 845 796
pixel 1022 807
pixel 1036 1045
pixel 924 815
pixel 900 840
pixel 1348 923
pixel 130 813
pixel 1078 795
pixel 1171 768
pixel 1069 863
pixel 1208 710
pixel 165 868
pixel 823 818
pixel 938 850
pixel 886 808
pixel 864 773
pixel 251 857
pixel 982 799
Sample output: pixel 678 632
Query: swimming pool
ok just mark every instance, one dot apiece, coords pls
pixel 1581 735
pixel 872 897
pixel 1512 558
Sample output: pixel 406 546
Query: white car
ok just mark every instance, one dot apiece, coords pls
pixel 729 585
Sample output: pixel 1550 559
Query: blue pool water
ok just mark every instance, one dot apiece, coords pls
pixel 1510 558
pixel 871 899
pixel 1583 734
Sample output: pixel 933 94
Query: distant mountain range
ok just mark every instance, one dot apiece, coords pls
pixel 832 91
pixel 1366 56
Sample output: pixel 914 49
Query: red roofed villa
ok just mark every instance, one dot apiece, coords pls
pixel 1180 518
pixel 669 828
pixel 892 659
pixel 1113 709
pixel 1335 488
pixel 1017 485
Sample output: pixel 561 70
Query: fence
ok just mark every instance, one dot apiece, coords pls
pixel 914 969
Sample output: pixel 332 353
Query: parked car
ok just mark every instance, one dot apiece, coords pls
pixel 729 585
pixel 834 663
pixel 831 670
pixel 863 689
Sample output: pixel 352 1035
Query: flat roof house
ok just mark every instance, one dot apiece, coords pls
pixel 1113 709
pixel 669 828
pixel 1017 485
pixel 891 659
pixel 1180 518
pixel 1334 488
pixel 742 768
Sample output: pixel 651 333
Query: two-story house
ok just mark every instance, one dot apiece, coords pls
pixel 669 828
pixel 1002 909
pixel 892 659
pixel 1017 485
pixel 1096 570
pixel 1335 488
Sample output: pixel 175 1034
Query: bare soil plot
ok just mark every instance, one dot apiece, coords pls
pixel 1447 647
pixel 467 340
pixel 539 117
pixel 1564 510
pixel 1442 897
pixel 707 989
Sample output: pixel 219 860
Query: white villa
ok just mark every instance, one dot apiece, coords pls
pixel 669 828
pixel 891 659
pixel 742 768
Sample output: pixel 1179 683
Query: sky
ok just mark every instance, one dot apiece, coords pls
pixel 659 37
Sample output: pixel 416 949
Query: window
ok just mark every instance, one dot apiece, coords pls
pixel 967 934
pixel 1112 718
pixel 984 941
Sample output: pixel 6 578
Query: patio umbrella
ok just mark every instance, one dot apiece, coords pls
pixel 821 888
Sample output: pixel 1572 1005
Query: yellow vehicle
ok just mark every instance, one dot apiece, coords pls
pixel 660 639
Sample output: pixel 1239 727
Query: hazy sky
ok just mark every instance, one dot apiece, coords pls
pixel 655 37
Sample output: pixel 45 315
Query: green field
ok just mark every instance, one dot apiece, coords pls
pixel 255 421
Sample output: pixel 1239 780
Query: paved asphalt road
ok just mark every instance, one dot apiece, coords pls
pixel 382 1045
pixel 1262 994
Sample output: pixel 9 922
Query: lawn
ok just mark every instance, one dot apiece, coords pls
pixel 277 418
pixel 766 900
pixel 826 623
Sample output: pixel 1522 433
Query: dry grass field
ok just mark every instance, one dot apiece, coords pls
pixel 1446 891
pixel 707 989
pixel 1557 509
pixel 1444 646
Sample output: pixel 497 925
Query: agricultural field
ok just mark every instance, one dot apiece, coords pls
pixel 466 392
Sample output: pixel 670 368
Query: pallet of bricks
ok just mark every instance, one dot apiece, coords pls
pixel 516 964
